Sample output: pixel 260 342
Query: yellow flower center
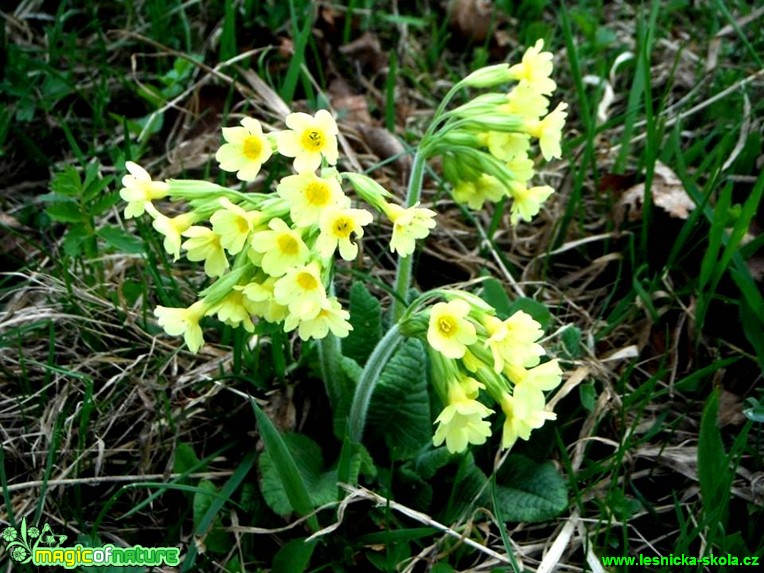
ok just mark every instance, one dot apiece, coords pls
pixel 242 225
pixel 288 244
pixel 252 148
pixel 342 227
pixel 447 325
pixel 312 140
pixel 307 281
pixel 317 193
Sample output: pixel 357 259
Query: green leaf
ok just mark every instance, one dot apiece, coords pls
pixel 588 396
pixel 366 319
pixel 203 500
pixel 529 491
pixel 286 469
pixel 185 459
pixel 120 239
pixel 65 212
pixel 714 473
pixel 293 557
pixel 74 237
pixel 538 311
pixel 104 203
pixel 351 373
pixel 400 405
pixel 468 483
pixel 67 183
pixel 494 294
pixel 571 341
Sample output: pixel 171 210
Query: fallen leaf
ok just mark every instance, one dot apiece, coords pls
pixel 367 51
pixel 667 191
pixel 730 409
pixel 471 19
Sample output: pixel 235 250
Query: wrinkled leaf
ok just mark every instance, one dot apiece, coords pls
pixel 529 491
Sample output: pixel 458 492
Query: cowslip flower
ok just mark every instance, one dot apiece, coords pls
pixel 183 321
pixel 171 228
pixel 282 248
pixel 204 244
pixel 332 317
pixel 262 300
pixel 544 377
pixel 301 291
pixel 524 411
pixel 139 190
pixel 336 227
pixel 513 341
pixel 408 225
pixel 245 150
pixel 526 202
pixel 234 310
pixel 535 68
pixel 308 139
pixel 525 101
pixel 506 145
pixel 449 331
pixel 309 195
pixel 549 131
pixel 461 421
pixel 476 193
pixel 234 225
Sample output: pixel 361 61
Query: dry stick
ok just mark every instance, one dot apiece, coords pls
pixel 363 493
pixel 114 479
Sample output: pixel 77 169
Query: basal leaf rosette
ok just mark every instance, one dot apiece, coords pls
pixel 479 360
pixel 270 255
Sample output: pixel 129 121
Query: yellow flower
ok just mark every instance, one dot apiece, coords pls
pixel 506 145
pixel 525 412
pixel 234 310
pixel 336 227
pixel 203 244
pixel 535 68
pixel 331 317
pixel 513 341
pixel 526 203
pixel 171 228
pixel 302 291
pixel 139 190
pixel 475 193
pixel 234 225
pixel 245 150
pixel 308 195
pixel 521 167
pixel 543 377
pixel 282 246
pixel 262 300
pixel 449 331
pixel 408 225
pixel 185 321
pixel 549 131
pixel 461 421
pixel 525 101
pixel 308 139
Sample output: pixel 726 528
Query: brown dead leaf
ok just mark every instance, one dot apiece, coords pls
pixel 385 145
pixel 730 409
pixel 367 51
pixel 471 19
pixel 668 193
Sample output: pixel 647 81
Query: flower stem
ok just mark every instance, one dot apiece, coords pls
pixel 359 408
pixel 403 272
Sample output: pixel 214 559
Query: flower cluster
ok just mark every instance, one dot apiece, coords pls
pixel 486 144
pixel 474 353
pixel 271 254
